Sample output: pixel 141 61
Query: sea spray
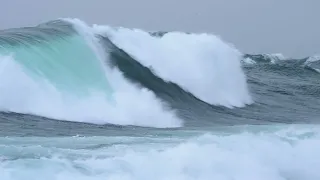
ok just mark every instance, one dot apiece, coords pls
pixel 201 64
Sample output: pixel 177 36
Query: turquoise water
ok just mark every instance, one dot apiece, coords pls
pixel 66 62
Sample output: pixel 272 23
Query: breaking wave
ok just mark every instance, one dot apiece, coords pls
pixel 67 70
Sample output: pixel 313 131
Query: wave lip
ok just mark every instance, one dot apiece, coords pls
pixel 201 64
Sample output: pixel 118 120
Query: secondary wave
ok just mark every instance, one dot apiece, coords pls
pixel 201 64
pixel 309 63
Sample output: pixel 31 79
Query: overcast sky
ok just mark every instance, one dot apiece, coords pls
pixel 291 27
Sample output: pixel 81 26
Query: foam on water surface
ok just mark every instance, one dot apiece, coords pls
pixel 281 154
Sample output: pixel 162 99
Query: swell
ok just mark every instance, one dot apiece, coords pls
pixel 286 87
pixel 300 76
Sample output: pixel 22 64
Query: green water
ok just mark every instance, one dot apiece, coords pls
pixel 67 62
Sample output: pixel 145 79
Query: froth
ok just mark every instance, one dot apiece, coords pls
pixel 264 156
pixel 200 63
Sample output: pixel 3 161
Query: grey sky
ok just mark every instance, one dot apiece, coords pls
pixel 291 27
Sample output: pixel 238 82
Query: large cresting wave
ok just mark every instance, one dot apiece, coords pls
pixel 60 70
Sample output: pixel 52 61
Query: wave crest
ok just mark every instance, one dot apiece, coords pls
pixel 201 64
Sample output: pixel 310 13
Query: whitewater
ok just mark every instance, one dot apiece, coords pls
pixel 81 101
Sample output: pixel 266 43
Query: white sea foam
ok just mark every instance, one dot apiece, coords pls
pixel 275 57
pixel 312 59
pixel 281 155
pixel 248 61
pixel 200 63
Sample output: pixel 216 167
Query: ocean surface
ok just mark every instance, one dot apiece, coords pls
pixel 95 102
